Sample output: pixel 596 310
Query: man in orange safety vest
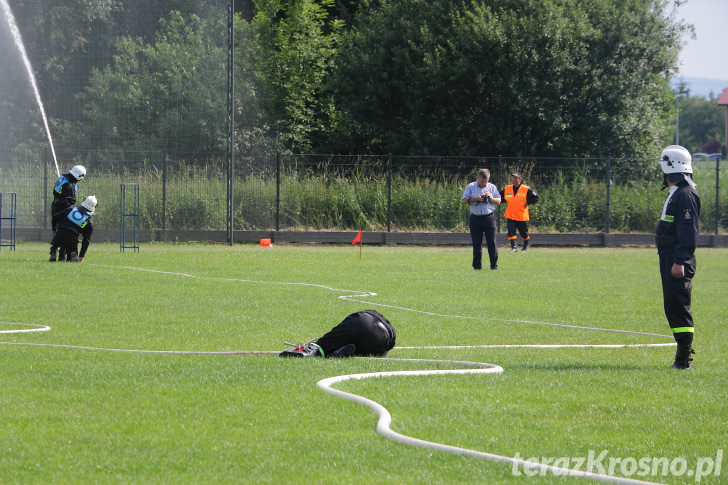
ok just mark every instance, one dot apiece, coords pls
pixel 518 197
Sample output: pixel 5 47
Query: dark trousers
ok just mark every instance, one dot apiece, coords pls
pixel 676 294
pixel 66 240
pixel 369 330
pixel 520 226
pixel 480 225
pixel 57 213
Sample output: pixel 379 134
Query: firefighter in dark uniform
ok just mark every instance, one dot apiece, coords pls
pixel 518 197
pixel 76 221
pixel 365 333
pixel 64 198
pixel 676 238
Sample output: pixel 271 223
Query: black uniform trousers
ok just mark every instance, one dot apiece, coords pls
pixel 520 226
pixel 369 330
pixel 66 239
pixel 59 210
pixel 480 225
pixel 677 293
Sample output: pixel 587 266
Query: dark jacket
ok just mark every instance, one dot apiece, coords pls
pixel 64 192
pixel 677 232
pixel 370 331
pixel 68 230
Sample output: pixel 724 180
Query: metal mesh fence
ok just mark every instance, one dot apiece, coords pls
pixel 374 193
pixel 123 82
pixel 137 91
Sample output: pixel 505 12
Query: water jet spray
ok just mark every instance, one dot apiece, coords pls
pixel 21 47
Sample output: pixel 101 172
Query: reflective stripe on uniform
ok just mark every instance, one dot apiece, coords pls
pixel 683 330
pixel 78 217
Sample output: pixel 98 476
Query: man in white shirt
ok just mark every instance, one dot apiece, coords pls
pixel 482 197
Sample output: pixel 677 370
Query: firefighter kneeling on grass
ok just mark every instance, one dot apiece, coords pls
pixel 76 221
pixel 365 333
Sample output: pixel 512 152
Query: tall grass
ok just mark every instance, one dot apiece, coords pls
pixel 195 198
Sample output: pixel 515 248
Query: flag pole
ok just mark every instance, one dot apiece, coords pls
pixel 358 239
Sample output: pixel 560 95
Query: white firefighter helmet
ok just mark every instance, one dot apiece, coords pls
pixel 78 172
pixel 676 159
pixel 89 203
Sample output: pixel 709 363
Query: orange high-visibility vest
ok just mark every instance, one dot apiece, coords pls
pixel 517 208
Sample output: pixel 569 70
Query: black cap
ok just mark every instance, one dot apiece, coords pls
pixel 517 174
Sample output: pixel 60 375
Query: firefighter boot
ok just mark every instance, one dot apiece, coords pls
pixel 73 257
pixel 525 245
pixel 345 351
pixel 513 246
pixel 683 357
pixel 62 254
pixel 53 254
pixel 310 350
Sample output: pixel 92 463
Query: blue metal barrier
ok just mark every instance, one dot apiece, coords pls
pixel 8 240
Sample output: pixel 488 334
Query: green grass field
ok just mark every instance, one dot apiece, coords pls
pixel 73 415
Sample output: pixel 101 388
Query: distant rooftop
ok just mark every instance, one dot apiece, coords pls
pixel 723 100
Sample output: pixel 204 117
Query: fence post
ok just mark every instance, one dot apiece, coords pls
pixel 389 193
pixel 502 182
pixel 278 191
pixel 164 191
pixel 609 193
pixel 501 178
pixel 717 193
pixel 45 189
pixel 11 219
pixel 231 120
pixel 134 214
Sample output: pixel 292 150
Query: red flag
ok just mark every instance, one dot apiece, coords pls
pixel 357 238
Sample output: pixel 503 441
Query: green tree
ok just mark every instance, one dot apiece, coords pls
pixel 167 95
pixel 536 77
pixel 63 45
pixel 293 43
pixel 20 120
pixel 256 140
pixel 701 124
pixel 67 41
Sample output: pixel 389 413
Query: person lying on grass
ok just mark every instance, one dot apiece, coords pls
pixel 364 333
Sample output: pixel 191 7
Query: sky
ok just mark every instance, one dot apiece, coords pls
pixel 706 56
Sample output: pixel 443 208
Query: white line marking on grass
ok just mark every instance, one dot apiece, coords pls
pixel 429 347
pixel 36 328
pixel 238 280
pixel 529 322
pixel 360 293
pixel 536 346
pixel 140 351
pixel 595 329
